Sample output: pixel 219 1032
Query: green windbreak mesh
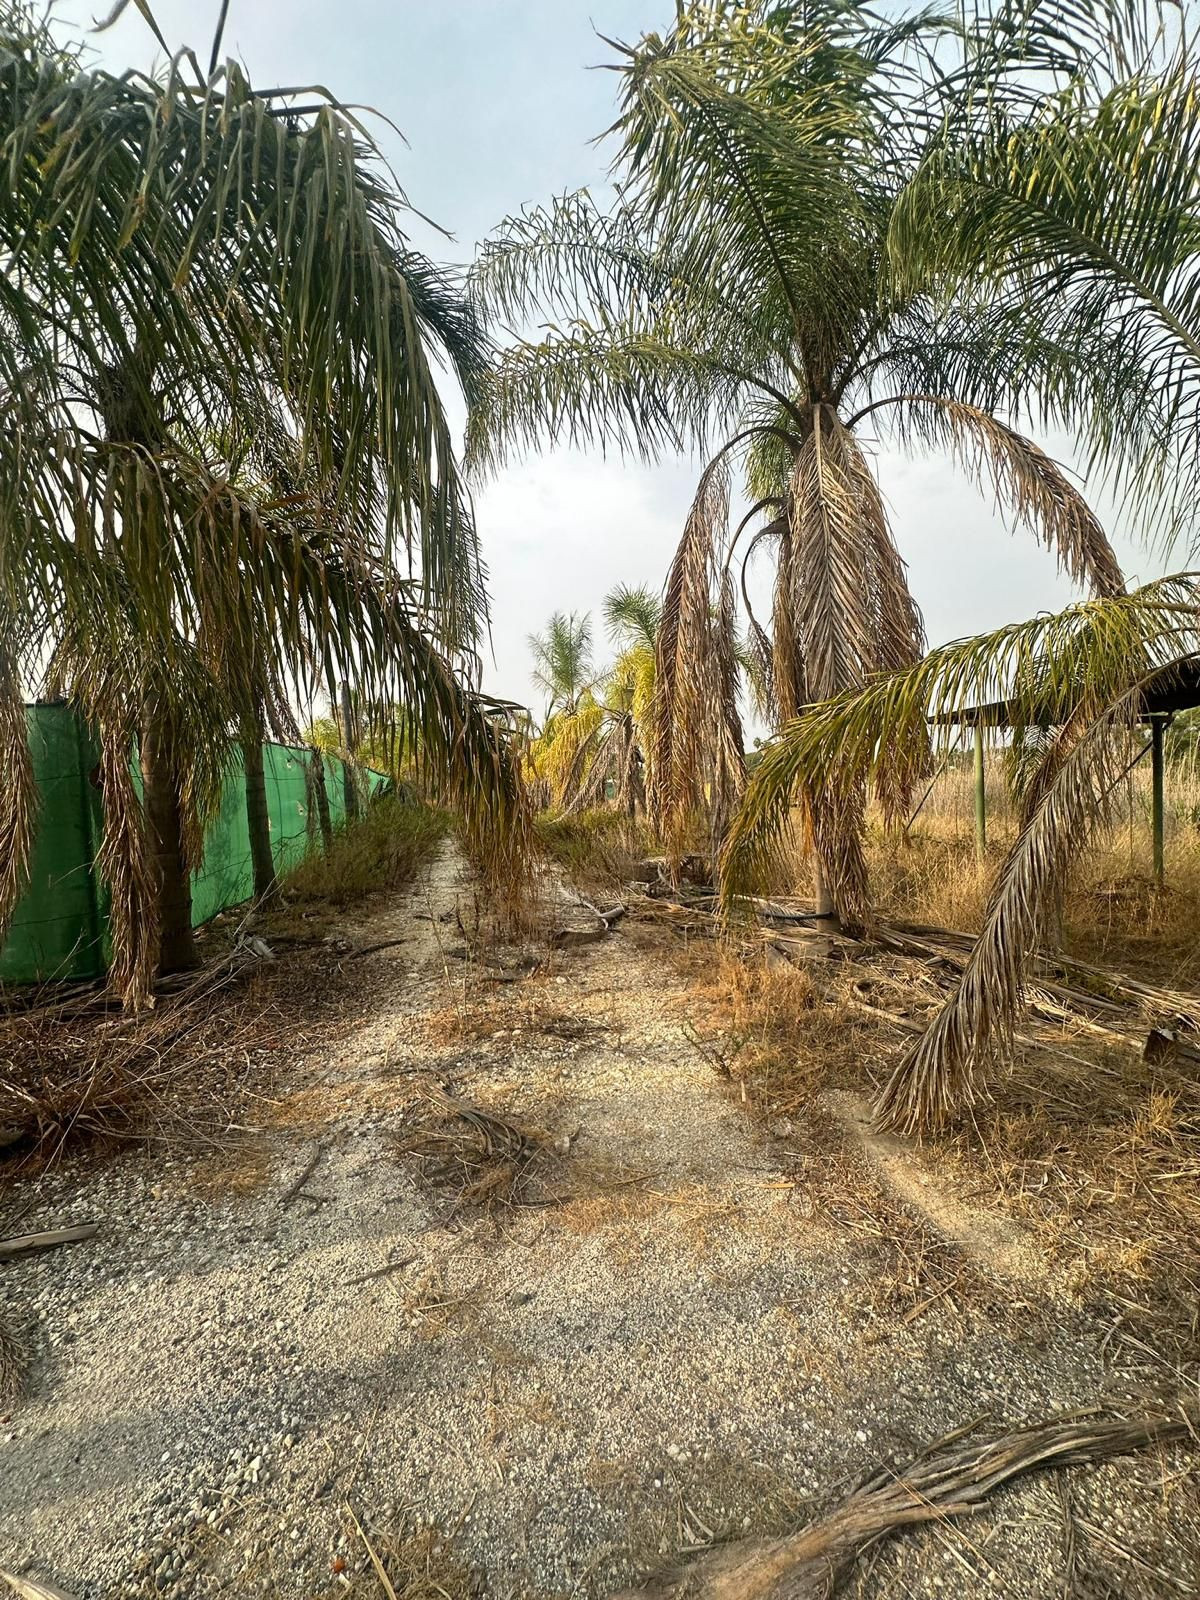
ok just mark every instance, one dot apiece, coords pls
pixel 60 928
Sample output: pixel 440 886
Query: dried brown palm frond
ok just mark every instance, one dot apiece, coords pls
pixel 18 794
pixel 854 618
pixel 617 759
pixel 696 732
pixel 479 1157
pixel 942 1075
pixel 1027 483
pixel 950 1479
pixel 124 864
pixel 789 680
pixel 728 760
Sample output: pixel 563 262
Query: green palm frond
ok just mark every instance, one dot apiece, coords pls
pixel 1082 212
pixel 1081 671
pixel 633 615
pixel 226 473
pixel 563 660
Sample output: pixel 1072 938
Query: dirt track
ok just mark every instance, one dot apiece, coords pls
pixel 679 1328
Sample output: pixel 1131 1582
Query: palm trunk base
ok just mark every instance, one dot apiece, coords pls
pixel 164 825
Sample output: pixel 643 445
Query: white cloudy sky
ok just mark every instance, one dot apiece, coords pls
pixel 499 108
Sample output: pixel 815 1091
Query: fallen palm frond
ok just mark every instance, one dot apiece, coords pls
pixel 76 1069
pixel 476 1156
pixel 950 1479
pixel 33 1588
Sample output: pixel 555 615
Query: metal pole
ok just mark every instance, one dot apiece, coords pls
pixel 980 797
pixel 1156 793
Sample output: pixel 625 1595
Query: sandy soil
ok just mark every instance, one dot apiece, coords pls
pixel 681 1328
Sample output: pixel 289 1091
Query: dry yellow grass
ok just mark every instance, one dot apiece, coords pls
pixel 1112 911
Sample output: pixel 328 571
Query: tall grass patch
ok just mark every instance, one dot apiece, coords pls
pixel 383 850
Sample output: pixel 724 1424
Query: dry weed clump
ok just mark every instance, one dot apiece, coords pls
pixel 1101 1154
pixel 83 1070
pixel 692 1217
pixel 421 1565
pixel 532 1014
pixel 597 850
pixel 777 1030
pixel 383 850
pixel 1096 1147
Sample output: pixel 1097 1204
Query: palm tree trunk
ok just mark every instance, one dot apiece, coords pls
pixel 258 815
pixel 321 793
pixel 825 905
pixel 164 822
pixel 349 792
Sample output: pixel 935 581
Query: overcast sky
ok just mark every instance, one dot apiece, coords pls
pixel 499 110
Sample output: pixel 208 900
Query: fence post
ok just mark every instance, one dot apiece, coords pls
pixel 1157 724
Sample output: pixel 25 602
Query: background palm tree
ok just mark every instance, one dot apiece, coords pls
pixel 593 747
pixel 224 464
pixel 562 659
pixel 741 291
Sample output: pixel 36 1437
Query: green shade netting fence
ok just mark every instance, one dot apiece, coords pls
pixel 60 927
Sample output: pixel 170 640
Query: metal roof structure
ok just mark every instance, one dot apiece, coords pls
pixel 1171 689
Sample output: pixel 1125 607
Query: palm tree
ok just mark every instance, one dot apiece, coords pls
pixel 563 661
pixel 739 291
pixel 1080 213
pixel 633 617
pixel 596 738
pixel 225 466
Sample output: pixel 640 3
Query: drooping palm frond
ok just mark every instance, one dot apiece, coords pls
pixel 18 792
pixel 1082 671
pixel 942 1076
pixel 1028 484
pixel 1080 209
pixel 1034 666
pixel 696 746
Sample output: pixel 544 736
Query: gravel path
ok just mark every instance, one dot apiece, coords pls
pixel 694 1339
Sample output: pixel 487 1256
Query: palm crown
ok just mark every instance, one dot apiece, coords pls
pixel 739 294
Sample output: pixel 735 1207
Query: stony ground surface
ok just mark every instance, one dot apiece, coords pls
pixel 678 1328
